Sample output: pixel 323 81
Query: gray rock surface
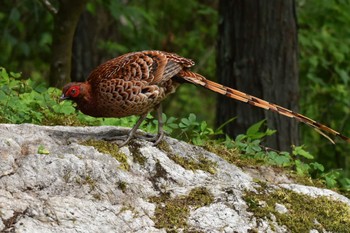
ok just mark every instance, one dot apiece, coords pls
pixel 50 181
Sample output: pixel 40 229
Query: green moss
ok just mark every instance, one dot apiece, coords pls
pixel 128 207
pixel 164 146
pixel 122 185
pixel 303 211
pixel 97 196
pixel 136 153
pixel 202 163
pixel 58 119
pixel 305 180
pixel 111 149
pixel 91 182
pixel 231 155
pixel 86 180
pixel 160 172
pixel 172 213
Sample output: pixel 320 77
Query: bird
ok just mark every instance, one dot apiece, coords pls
pixel 136 83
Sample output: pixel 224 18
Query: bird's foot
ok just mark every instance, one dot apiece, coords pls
pixel 156 139
pixel 115 138
pixel 123 138
pixel 127 138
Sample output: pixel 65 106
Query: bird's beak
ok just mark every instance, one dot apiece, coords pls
pixel 63 97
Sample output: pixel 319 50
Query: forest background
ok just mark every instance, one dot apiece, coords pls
pixel 108 28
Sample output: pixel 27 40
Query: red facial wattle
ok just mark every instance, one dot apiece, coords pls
pixel 73 92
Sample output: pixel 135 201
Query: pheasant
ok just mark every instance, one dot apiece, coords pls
pixel 136 83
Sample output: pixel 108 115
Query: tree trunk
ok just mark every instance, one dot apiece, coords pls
pixel 84 57
pixel 65 22
pixel 92 29
pixel 257 54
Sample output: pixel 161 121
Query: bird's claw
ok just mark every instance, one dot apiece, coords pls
pixel 156 139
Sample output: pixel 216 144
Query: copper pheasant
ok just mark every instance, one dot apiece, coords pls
pixel 136 83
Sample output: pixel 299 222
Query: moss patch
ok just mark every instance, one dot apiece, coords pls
pixel 136 153
pixel 202 163
pixel 172 213
pixel 70 120
pixel 111 149
pixel 122 186
pixel 231 155
pixel 86 180
pixel 304 212
pixel 160 172
pixel 91 183
pixel 164 146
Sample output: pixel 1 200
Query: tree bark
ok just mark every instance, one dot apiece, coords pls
pixel 91 30
pixel 65 22
pixel 84 57
pixel 257 54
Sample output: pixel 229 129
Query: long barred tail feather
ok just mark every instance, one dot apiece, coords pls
pixel 241 96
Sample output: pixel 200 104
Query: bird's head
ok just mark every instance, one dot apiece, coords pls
pixel 73 91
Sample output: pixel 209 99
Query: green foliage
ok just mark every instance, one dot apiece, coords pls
pixel 195 131
pixel 25 36
pixel 138 20
pixel 324 39
pixel 300 160
pixel 187 128
pixel 249 143
pixel 22 101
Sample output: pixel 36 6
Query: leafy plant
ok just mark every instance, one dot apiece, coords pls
pixel 249 143
pixel 187 128
pixel 300 160
pixel 25 35
pixel 192 130
pixel 324 39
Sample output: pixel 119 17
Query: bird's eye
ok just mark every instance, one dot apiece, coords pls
pixel 73 91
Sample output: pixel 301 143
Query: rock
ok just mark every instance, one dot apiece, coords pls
pixel 281 208
pixel 67 179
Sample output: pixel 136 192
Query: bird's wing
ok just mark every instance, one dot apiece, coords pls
pixel 153 67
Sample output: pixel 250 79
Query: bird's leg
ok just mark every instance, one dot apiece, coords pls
pixel 133 130
pixel 160 134
pixel 157 138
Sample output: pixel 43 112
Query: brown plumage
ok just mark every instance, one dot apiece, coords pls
pixel 136 83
